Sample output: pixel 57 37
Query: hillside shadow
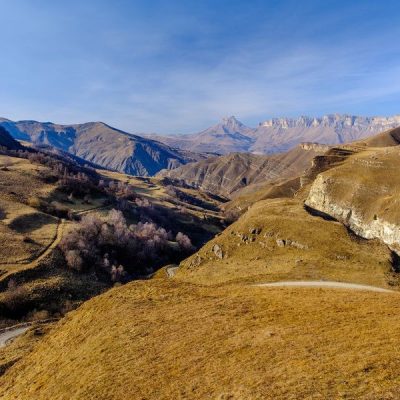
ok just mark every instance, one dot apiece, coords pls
pixel 30 222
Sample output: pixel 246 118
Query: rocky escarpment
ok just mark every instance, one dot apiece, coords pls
pixel 363 195
pixel 321 148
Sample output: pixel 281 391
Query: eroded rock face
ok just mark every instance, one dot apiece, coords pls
pixel 322 198
pixel 217 250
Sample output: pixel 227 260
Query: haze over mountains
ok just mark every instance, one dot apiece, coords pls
pixel 280 134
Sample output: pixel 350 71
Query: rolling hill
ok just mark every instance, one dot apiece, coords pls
pixel 227 175
pixel 103 145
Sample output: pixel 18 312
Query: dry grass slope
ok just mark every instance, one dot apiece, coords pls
pixel 164 340
pixel 279 240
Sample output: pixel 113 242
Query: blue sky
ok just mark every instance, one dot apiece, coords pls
pixel 179 66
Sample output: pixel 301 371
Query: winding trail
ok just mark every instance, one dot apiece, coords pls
pixel 46 250
pixel 10 268
pixel 325 284
pixel 8 335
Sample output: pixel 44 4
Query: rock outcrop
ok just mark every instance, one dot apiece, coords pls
pixel 363 194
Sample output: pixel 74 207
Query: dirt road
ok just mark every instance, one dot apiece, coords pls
pixel 326 284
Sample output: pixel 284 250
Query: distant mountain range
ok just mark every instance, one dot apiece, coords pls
pixel 103 145
pixel 111 148
pixel 280 134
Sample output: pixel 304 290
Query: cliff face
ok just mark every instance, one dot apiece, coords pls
pixel 363 193
pixel 322 199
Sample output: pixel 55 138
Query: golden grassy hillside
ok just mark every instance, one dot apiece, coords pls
pixel 170 340
pixel 243 199
pixel 279 240
pixel 24 231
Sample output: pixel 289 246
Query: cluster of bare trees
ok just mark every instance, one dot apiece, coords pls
pixel 118 252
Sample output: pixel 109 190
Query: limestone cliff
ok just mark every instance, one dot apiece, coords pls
pixel 363 193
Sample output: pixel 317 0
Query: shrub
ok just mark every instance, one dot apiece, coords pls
pixel 184 242
pixel 119 252
pixel 231 216
pixel 15 297
pixel 34 202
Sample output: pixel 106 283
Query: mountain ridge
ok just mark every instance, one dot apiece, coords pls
pixel 103 145
pixel 280 134
pixel 229 173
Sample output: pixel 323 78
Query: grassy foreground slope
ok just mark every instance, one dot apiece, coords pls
pixel 170 340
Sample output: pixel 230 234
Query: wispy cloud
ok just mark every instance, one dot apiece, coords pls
pixel 173 67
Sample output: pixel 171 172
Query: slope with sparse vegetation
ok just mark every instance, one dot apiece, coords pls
pixel 69 231
pixel 210 331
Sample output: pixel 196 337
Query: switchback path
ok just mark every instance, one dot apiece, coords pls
pixel 325 284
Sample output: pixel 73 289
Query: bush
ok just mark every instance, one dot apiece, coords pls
pixel 231 216
pixel 184 242
pixel 15 297
pixel 34 202
pixel 119 252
